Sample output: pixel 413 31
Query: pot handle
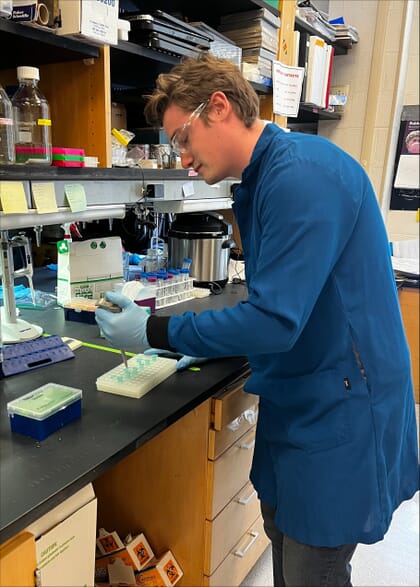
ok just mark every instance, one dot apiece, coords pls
pixel 228 244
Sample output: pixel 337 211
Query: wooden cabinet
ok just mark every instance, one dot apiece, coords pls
pixel 189 492
pixel 234 535
pixel 410 304
pixel 17 561
pixel 80 80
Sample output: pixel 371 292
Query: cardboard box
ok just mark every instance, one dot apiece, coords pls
pixel 96 20
pixel 24 10
pixel 88 268
pixel 103 563
pixel 108 542
pixel 137 554
pixel 140 551
pixel 65 542
pixel 163 572
pixel 118 116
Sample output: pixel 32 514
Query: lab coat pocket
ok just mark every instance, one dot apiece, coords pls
pixel 310 412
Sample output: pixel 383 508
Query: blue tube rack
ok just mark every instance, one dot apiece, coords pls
pixel 25 356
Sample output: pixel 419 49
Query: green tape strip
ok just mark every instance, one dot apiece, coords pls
pixel 105 348
pixel 99 347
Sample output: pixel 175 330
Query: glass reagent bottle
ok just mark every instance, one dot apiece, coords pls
pixel 32 120
pixel 7 139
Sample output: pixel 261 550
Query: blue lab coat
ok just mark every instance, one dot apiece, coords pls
pixel 336 445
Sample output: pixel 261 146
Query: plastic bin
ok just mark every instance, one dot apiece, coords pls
pixel 44 410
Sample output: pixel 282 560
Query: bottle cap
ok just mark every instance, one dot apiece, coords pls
pixel 26 72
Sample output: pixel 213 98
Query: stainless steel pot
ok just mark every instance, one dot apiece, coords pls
pixel 204 237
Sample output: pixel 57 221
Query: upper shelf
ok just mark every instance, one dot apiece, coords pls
pixel 42 45
pixel 209 12
pixel 339 47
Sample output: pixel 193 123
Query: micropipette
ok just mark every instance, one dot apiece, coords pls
pixel 106 305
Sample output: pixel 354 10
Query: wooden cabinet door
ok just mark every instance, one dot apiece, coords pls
pixel 18 561
pixel 409 303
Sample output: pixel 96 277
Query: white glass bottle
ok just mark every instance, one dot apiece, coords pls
pixel 7 139
pixel 31 114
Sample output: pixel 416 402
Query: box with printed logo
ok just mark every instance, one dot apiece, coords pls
pixel 164 571
pixel 96 20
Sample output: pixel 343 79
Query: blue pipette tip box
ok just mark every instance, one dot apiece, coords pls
pixel 45 410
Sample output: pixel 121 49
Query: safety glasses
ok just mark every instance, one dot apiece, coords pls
pixel 180 140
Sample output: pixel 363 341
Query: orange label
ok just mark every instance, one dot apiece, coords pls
pixel 142 553
pixel 108 543
pixel 171 571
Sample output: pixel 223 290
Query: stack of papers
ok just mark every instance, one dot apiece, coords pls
pixel 405 257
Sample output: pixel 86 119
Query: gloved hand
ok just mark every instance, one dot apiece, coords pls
pixel 126 329
pixel 184 362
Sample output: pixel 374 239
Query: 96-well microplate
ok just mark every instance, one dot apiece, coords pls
pixel 143 373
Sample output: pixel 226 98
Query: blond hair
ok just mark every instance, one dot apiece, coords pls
pixel 194 80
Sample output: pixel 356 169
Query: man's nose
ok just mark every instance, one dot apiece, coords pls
pixel 186 159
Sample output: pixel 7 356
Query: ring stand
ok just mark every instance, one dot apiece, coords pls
pixel 13 329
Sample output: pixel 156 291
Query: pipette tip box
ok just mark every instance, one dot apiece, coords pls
pixel 45 410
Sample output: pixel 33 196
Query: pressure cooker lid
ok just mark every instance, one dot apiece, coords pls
pixel 199 222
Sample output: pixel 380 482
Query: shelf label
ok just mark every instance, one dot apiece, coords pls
pixel 287 89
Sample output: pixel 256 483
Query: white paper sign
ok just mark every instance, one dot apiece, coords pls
pixel 287 89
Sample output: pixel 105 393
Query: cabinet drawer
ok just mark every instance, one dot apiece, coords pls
pixel 241 558
pixel 220 440
pixel 231 404
pixel 229 526
pixel 229 473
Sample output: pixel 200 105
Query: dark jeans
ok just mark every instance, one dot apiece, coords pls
pixel 301 565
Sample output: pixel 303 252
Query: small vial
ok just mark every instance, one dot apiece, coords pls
pixel 186 264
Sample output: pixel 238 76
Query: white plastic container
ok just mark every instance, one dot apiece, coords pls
pixel 44 410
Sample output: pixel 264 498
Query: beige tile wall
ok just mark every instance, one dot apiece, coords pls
pixel 371 68
pixel 352 69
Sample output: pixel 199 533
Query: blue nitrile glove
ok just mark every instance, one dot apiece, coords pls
pixel 126 329
pixel 184 362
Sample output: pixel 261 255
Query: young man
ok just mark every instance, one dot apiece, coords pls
pixel 336 445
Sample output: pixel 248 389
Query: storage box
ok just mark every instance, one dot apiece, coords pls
pixel 65 542
pixel 89 268
pixel 136 554
pixel 163 572
pixel 24 10
pixel 118 115
pixel 44 410
pixel 108 542
pixel 95 20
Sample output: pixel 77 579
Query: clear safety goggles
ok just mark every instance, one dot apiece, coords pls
pixel 180 140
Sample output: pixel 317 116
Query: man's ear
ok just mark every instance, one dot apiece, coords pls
pixel 219 107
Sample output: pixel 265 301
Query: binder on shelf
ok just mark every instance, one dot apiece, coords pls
pixel 303 59
pixel 327 77
pixel 317 61
pixel 296 48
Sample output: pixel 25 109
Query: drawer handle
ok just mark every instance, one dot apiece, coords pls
pixel 245 500
pixel 241 553
pixel 247 445
pixel 249 415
